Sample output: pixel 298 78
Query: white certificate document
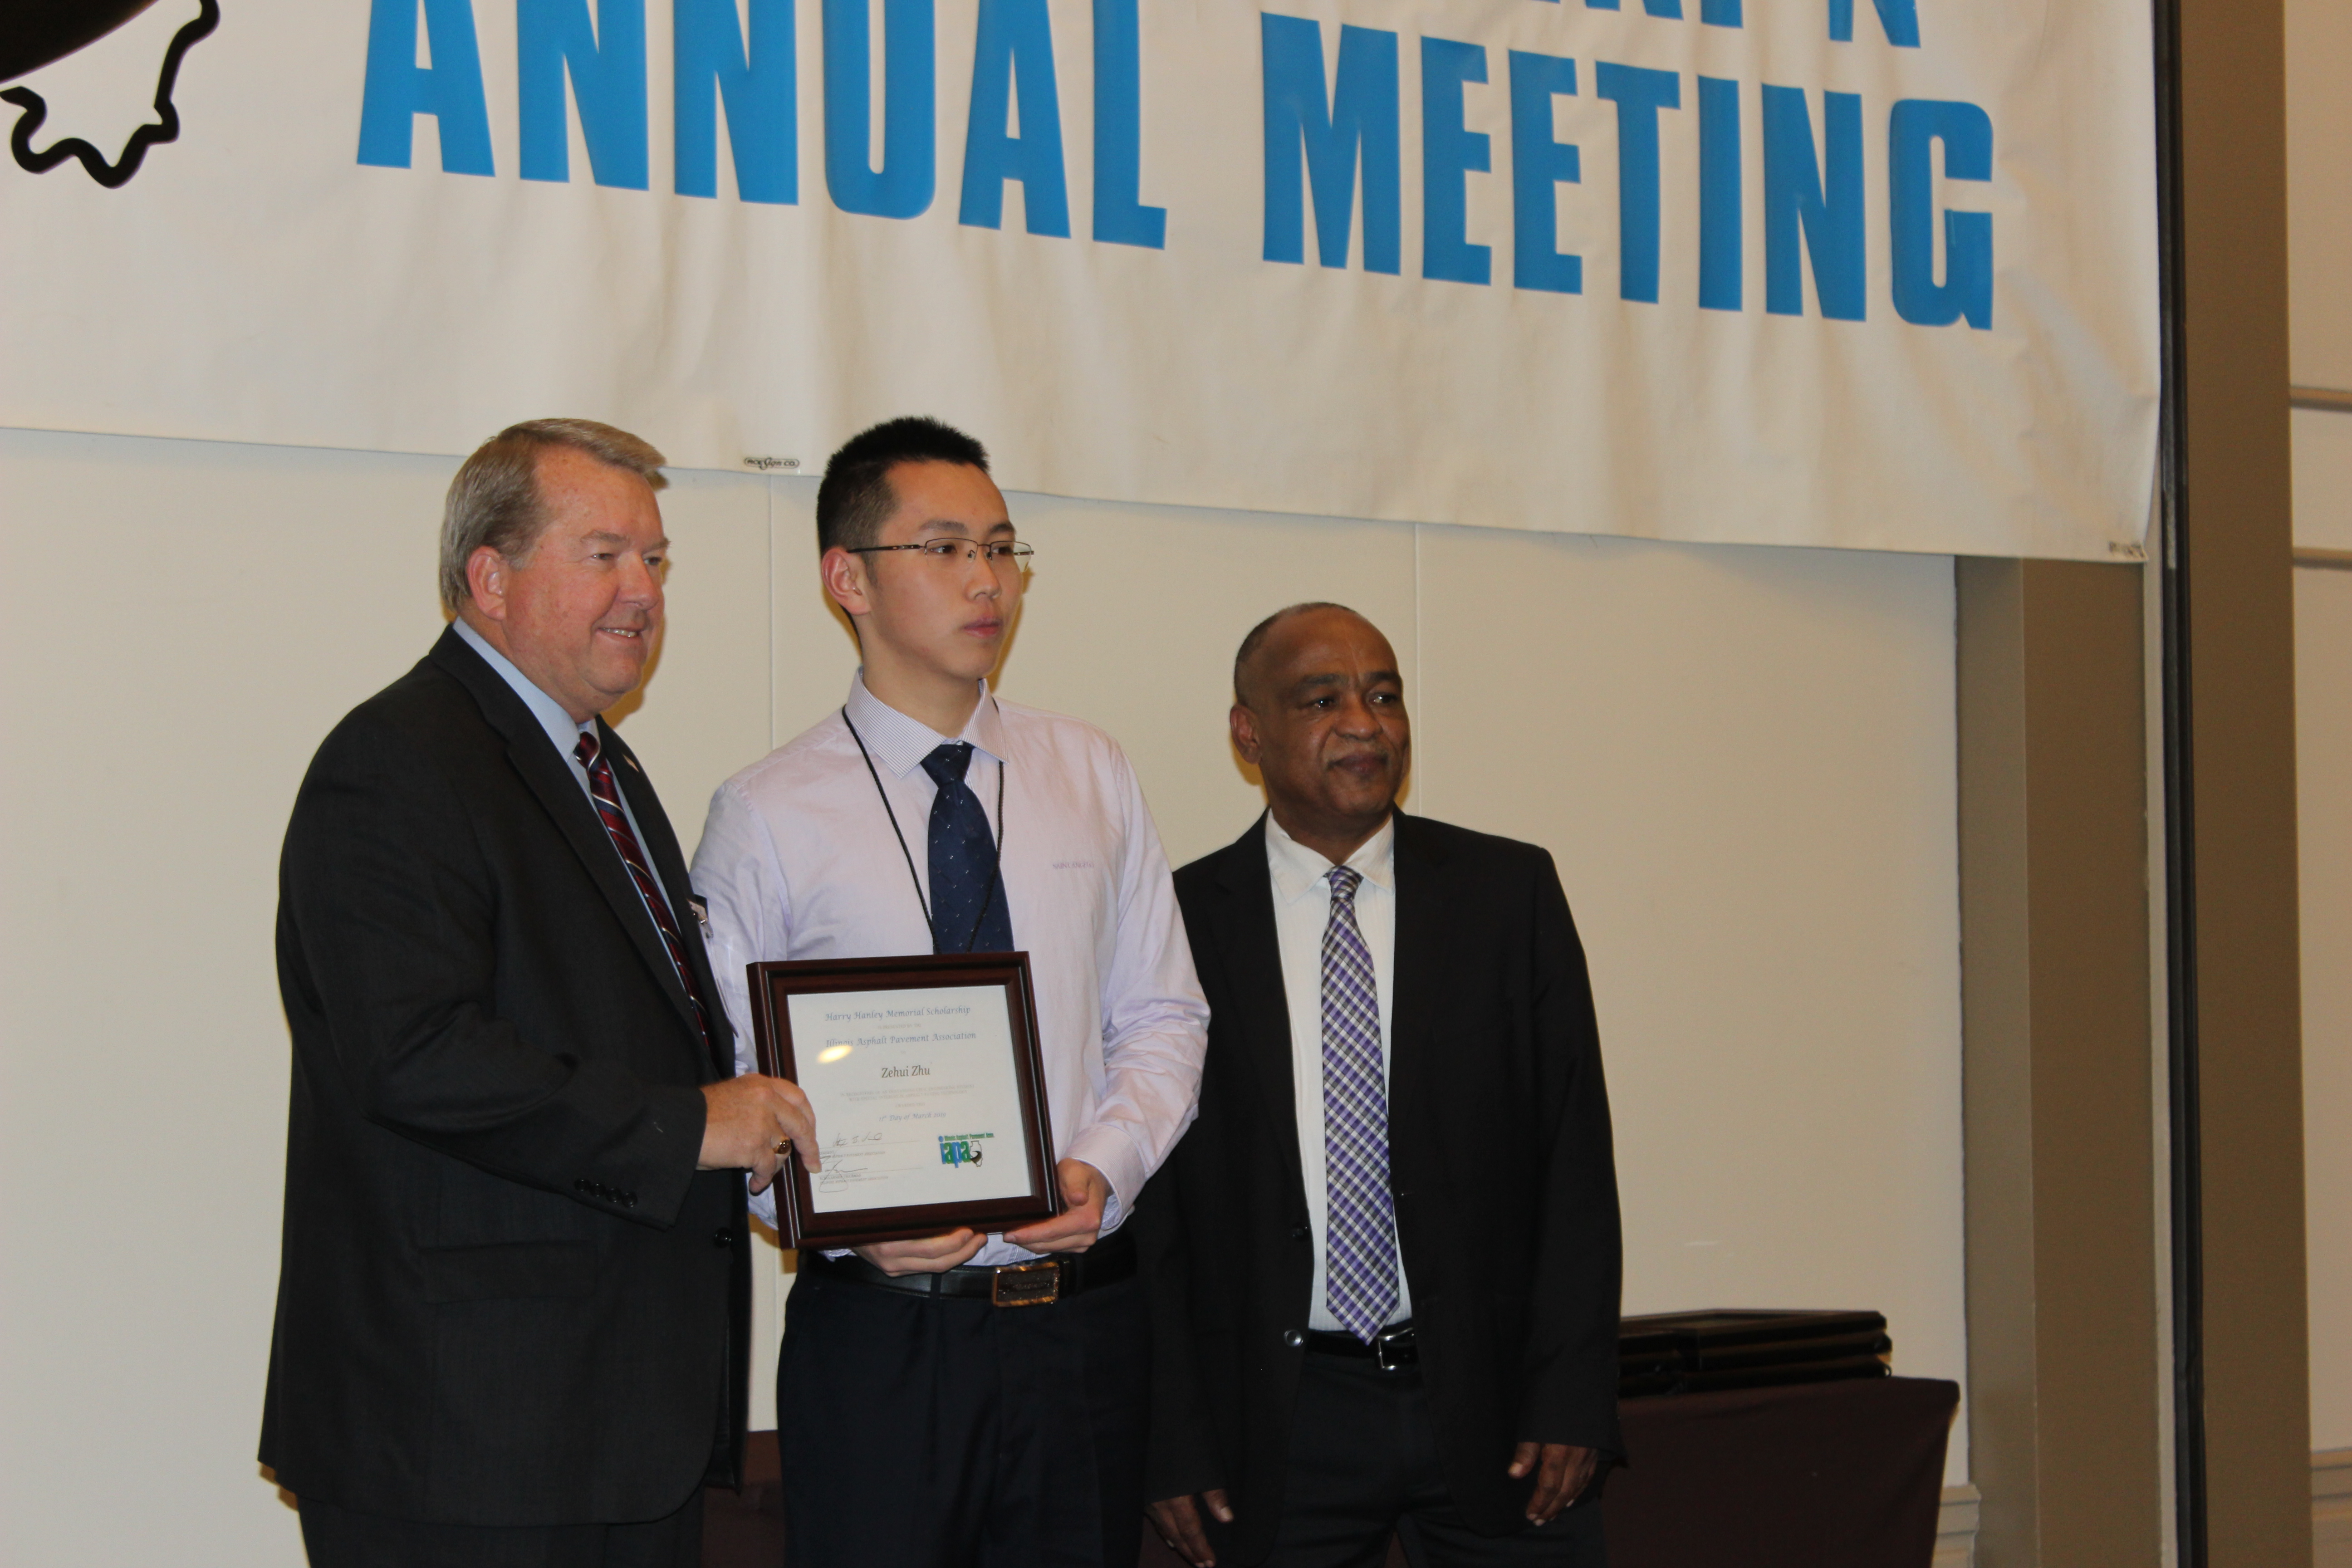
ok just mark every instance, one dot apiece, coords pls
pixel 915 1096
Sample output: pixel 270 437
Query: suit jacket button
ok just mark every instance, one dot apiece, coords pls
pixel 1293 1338
pixel 1300 1233
pixel 628 1200
pixel 722 1237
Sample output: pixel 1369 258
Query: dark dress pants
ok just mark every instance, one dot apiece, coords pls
pixel 922 1432
pixel 1364 1462
pixel 337 1538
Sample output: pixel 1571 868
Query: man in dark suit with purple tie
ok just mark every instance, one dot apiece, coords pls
pixel 513 1291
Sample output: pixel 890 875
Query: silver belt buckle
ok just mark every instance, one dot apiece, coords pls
pixel 1382 1343
pixel 1037 1283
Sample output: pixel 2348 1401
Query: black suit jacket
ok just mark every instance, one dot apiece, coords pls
pixel 1499 1158
pixel 506 1296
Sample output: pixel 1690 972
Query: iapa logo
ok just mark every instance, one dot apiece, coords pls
pixel 92 65
pixel 962 1147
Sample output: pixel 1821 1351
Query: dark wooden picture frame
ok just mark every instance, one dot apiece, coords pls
pixel 797 1217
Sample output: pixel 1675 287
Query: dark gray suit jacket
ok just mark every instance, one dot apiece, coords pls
pixel 1499 1158
pixel 506 1296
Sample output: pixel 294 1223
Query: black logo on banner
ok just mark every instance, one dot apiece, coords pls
pixel 42 32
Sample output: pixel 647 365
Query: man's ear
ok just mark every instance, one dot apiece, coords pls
pixel 844 576
pixel 486 578
pixel 1246 735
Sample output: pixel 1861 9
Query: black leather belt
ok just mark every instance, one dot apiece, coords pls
pixel 1392 1349
pixel 1048 1279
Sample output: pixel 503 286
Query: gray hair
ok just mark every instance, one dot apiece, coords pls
pixel 495 500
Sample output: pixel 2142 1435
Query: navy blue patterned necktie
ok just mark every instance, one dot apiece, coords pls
pixel 1360 1253
pixel 964 863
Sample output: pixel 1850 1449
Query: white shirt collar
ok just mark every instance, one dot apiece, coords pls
pixel 563 731
pixel 1298 870
pixel 900 743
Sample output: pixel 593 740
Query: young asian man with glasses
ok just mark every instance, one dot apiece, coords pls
pixel 920 1422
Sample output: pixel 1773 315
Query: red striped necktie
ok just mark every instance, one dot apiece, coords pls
pixel 605 790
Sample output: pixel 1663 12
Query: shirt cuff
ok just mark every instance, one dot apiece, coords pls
pixel 1106 1148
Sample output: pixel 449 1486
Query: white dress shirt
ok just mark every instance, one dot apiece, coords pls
pixel 1302 910
pixel 798 861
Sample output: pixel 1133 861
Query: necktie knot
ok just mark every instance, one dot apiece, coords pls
pixel 587 749
pixel 1345 881
pixel 946 764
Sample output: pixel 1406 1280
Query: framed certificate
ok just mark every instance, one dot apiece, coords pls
pixel 924 1077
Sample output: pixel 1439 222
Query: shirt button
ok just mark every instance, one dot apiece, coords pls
pixel 1293 1338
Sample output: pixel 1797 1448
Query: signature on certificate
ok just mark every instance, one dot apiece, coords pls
pixel 842 1167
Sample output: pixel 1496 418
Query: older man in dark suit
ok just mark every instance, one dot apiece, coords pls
pixel 512 1299
pixel 1384 1261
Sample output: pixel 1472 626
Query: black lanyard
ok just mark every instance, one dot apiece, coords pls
pixel 994 871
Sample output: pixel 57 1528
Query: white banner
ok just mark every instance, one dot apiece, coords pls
pixel 1868 273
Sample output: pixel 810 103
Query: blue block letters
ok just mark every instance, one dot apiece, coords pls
pixel 1538 166
pixel 1639 94
pixel 1966 132
pixel 1813 205
pixel 605 59
pixel 1012 56
pixel 902 186
pixel 1361 114
pixel 756 83
pixel 450 89
pixel 1449 155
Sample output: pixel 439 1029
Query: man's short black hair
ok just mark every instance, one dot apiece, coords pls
pixel 855 494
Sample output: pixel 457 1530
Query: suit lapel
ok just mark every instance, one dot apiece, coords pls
pixel 1251 952
pixel 1418 960
pixel 549 778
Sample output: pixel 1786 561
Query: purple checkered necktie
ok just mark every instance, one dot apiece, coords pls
pixel 605 791
pixel 1359 1246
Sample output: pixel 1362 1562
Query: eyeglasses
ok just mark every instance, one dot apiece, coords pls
pixel 1000 553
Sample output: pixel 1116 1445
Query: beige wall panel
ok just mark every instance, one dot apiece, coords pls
pixel 808 642
pixel 2322 476
pixel 2323 630
pixel 1743 761
pixel 2320 190
pixel 205 614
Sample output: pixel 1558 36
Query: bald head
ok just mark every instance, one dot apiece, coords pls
pixel 1318 708
pixel 1252 656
